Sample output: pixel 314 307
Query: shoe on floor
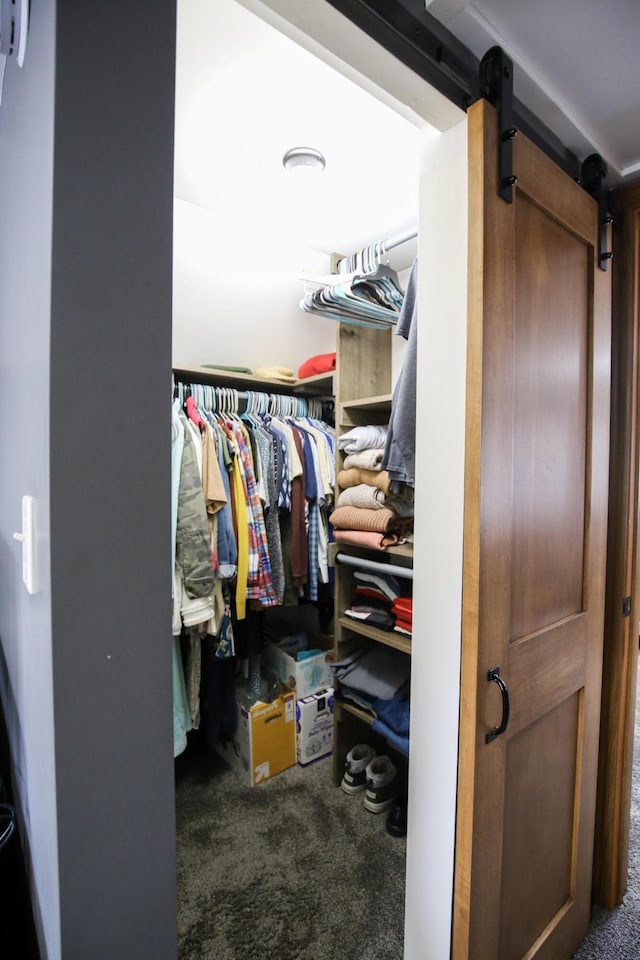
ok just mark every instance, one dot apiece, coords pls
pixel 397 817
pixel 354 779
pixel 381 785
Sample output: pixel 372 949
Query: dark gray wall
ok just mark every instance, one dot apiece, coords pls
pixel 110 477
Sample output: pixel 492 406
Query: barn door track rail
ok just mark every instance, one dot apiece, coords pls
pixel 416 38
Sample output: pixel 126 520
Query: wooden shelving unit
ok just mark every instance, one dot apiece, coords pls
pixel 363 396
pixel 387 637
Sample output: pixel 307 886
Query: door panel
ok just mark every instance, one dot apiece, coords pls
pixel 533 897
pixel 535 528
pixel 550 429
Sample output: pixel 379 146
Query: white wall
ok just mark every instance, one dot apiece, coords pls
pixel 236 301
pixel 26 179
pixel 435 678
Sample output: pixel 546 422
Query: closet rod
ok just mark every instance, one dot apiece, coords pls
pixel 374 565
pixel 312 406
pixel 399 238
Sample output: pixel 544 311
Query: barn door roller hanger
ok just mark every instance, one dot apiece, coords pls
pixel 592 177
pixel 496 84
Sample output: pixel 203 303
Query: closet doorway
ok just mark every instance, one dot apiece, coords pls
pixel 246 232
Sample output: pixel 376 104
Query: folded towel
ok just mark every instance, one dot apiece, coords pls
pixel 370 459
pixel 362 495
pixel 356 475
pixel 363 438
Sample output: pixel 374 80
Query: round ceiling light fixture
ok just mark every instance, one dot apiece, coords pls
pixel 303 157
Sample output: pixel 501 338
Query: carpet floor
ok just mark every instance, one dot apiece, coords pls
pixel 295 868
pixel 292 868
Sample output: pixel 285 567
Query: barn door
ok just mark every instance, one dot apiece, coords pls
pixel 534 558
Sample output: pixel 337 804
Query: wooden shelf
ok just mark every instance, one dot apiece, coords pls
pixel 354 710
pixel 318 386
pixel 365 717
pixel 388 637
pixel 321 385
pixel 368 403
pixel 370 410
pixel 401 553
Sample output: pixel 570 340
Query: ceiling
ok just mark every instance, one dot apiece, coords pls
pixel 577 67
pixel 245 94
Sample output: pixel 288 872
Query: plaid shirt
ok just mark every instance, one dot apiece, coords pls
pixel 259 582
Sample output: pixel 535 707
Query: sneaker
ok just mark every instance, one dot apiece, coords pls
pixel 381 785
pixel 354 779
pixel 397 818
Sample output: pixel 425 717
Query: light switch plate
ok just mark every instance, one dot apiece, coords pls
pixel 28 540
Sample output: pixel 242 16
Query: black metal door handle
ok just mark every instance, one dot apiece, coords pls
pixel 493 676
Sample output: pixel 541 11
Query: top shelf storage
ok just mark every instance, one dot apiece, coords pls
pixel 319 386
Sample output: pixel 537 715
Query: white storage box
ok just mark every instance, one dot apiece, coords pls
pixel 305 676
pixel 314 727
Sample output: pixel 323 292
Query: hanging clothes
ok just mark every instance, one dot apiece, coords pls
pixel 400 448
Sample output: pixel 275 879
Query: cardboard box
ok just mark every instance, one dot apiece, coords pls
pixel 304 676
pixel 314 727
pixel 265 742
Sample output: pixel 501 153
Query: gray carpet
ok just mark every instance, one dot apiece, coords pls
pixel 295 868
pixel 292 868
pixel 615 935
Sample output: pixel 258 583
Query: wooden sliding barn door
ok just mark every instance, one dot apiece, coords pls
pixel 534 558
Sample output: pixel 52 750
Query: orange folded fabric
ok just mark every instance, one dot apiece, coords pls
pixel 362 538
pixel 322 363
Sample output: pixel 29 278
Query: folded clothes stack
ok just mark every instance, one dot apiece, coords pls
pixel 402 610
pixel 377 672
pixel 374 598
pixel 362 515
pixel 377 680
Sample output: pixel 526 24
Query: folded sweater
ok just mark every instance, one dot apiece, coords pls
pixel 276 373
pixel 380 521
pixel 370 459
pixel 362 495
pixel 365 538
pixel 386 583
pixel 362 438
pixel 356 475
pixel 379 671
